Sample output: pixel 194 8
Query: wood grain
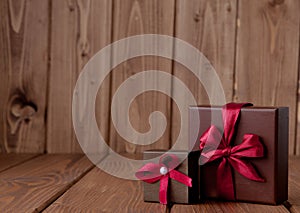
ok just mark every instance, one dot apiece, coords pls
pixel 79 29
pixel 253 45
pixel 227 207
pixel 267 55
pixel 10 160
pixel 38 183
pixel 133 17
pixel 33 185
pixel 210 27
pixel 294 184
pixel 23 68
pixel 100 192
pixel 298 117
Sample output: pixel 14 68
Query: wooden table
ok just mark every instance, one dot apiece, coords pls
pixel 71 183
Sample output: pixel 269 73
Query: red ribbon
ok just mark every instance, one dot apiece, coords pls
pixel 162 171
pixel 250 147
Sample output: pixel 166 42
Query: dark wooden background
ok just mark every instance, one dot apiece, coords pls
pixel 253 45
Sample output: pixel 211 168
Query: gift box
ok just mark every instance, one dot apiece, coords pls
pixel 179 169
pixel 244 152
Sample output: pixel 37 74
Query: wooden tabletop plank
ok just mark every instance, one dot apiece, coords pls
pixel 10 160
pixel 294 184
pixel 33 185
pixel 294 198
pixel 210 206
pixel 101 192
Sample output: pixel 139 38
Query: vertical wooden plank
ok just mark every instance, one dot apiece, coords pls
pixel 298 114
pixel 267 55
pixel 79 29
pixel 133 17
pixel 210 27
pixel 24 46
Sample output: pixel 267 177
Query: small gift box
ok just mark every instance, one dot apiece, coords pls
pixel 174 179
pixel 244 152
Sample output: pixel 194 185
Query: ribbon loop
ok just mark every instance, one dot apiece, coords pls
pixel 251 147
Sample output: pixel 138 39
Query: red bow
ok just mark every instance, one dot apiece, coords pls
pixel 152 173
pixel 231 156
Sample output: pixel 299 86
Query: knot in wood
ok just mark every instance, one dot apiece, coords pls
pixel 274 3
pixel 20 110
pixel 23 112
pixel 197 17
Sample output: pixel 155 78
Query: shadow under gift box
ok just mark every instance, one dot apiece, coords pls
pixel 177 192
pixel 271 125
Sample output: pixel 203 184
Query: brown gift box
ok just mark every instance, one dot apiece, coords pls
pixel 271 125
pixel 177 192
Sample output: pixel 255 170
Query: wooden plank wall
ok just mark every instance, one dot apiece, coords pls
pixel 253 45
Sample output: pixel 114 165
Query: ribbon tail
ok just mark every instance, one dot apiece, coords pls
pixel 163 189
pixel 180 177
pixel 225 181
